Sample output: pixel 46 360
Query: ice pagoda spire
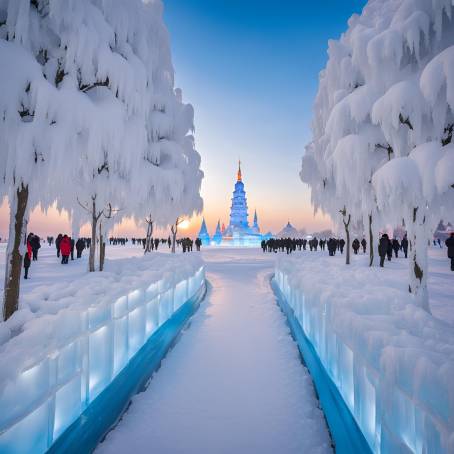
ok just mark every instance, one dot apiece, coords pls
pixel 255 226
pixel 203 234
pixel 238 210
pixel 217 238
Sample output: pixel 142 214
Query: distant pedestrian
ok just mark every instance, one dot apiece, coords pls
pixel 355 246
pixel 396 247
pixel 80 246
pixel 35 243
pixel 57 243
pixel 27 259
pixel 341 245
pixel 65 249
pixel 450 245
pixel 383 246
pixel 198 243
pixel 404 245
pixel 364 245
pixel 389 252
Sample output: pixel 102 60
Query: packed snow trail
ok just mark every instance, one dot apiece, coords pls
pixel 234 383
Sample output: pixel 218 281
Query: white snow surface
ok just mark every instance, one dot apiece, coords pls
pixel 234 383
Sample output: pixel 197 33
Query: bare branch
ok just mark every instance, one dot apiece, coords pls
pixel 83 206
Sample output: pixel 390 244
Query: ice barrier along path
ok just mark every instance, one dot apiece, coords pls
pixel 69 399
pixel 234 383
pixel 347 435
pixel 390 418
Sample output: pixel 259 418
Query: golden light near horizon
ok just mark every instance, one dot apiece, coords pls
pixel 185 224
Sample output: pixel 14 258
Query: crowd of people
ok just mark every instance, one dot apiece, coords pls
pixel 386 246
pixel 154 242
pixel 65 246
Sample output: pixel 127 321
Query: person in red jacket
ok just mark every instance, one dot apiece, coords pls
pixel 65 249
pixel 27 258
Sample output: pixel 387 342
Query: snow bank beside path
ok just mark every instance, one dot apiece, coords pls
pixel 392 362
pixel 70 339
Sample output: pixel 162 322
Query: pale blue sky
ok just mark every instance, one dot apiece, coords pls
pixel 250 68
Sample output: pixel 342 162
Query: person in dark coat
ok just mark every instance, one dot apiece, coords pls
pixel 341 245
pixel 156 243
pixel 73 243
pixel 80 246
pixel 450 245
pixel 35 243
pixel 65 249
pixel 355 245
pixel 332 246
pixel 396 247
pixel 57 243
pixel 198 243
pixel 27 259
pixel 404 245
pixel 383 246
pixel 364 244
pixel 390 250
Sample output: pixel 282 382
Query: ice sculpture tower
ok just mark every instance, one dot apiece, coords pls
pixel 238 210
pixel 238 232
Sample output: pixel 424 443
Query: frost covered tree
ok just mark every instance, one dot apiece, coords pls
pixel 79 94
pixel 384 122
pixel 33 127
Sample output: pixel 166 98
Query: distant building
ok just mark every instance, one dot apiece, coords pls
pixel 288 232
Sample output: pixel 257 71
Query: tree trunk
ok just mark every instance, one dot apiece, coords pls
pixel 148 241
pixel 347 234
pixel 102 248
pixel 94 221
pixel 418 267
pixel 371 242
pixel 174 230
pixel 13 255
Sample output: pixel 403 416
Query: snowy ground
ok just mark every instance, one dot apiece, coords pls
pixel 234 383
pixel 234 380
pixel 48 268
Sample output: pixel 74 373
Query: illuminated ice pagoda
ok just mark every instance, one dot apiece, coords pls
pixel 238 232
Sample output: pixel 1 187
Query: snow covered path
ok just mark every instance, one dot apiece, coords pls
pixel 234 383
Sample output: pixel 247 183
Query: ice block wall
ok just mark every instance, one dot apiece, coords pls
pixel 37 404
pixel 408 410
